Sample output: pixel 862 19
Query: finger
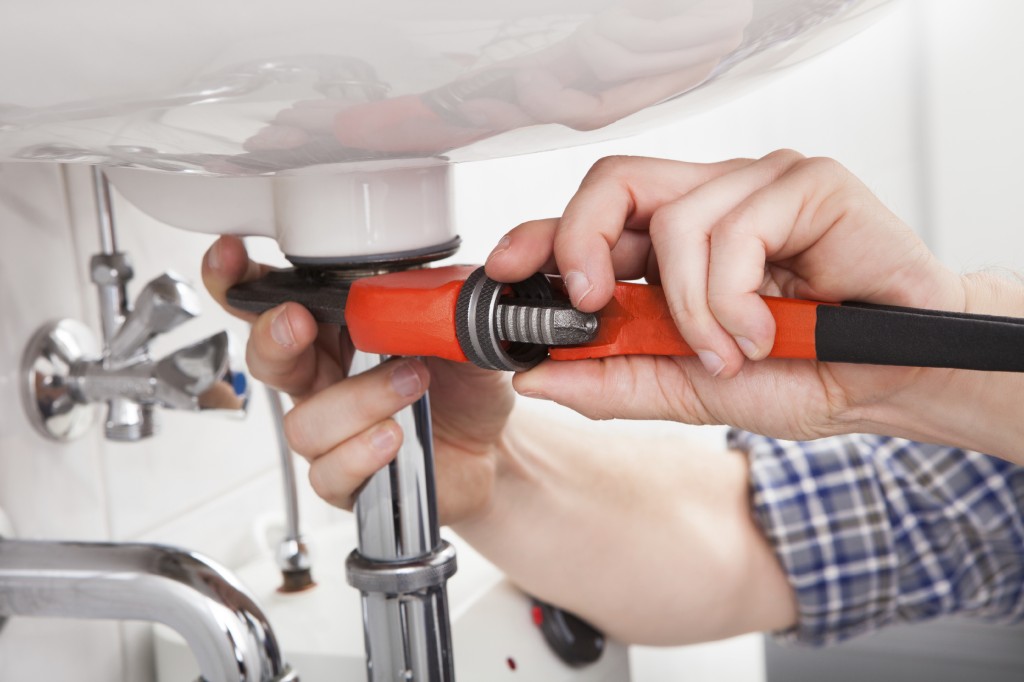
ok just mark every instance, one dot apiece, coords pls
pixel 533 253
pixel 777 221
pixel 626 387
pixel 226 264
pixel 339 474
pixel 347 408
pixel 618 194
pixel 280 351
pixel 681 236
pixel 525 250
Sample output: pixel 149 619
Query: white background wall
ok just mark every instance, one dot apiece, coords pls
pixel 924 107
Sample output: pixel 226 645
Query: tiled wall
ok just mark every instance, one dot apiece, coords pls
pixel 201 483
pixel 204 482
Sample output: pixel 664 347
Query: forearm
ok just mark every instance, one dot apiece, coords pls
pixel 982 411
pixel 651 540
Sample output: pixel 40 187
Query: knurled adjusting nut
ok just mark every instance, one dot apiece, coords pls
pixel 401 577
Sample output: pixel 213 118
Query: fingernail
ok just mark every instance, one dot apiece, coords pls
pixel 712 362
pixel 578 286
pixel 213 256
pixel 281 329
pixel 748 347
pixel 406 381
pixel 383 438
pixel 534 394
pixel 503 245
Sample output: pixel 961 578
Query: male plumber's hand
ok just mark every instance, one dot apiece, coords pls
pixel 716 236
pixel 343 426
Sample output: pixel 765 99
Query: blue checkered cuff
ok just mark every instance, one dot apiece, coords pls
pixel 873 531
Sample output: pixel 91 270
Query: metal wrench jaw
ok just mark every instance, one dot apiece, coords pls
pixel 452 312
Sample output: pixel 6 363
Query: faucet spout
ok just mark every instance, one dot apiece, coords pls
pixel 222 624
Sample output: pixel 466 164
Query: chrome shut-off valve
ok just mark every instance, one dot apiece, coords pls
pixel 67 377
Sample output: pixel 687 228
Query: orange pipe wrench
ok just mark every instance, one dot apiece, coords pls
pixel 458 313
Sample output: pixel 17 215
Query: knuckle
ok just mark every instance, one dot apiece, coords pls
pixel 389 426
pixel 785 155
pixel 321 484
pixel 610 167
pixel 297 432
pixel 782 160
pixel 822 167
pixel 661 220
pixel 669 219
pixel 723 304
pixel 253 360
pixel 736 222
pixel 689 310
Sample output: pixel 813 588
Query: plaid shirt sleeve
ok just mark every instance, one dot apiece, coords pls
pixel 874 531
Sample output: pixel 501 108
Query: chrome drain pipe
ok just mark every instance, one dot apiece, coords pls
pixel 401 566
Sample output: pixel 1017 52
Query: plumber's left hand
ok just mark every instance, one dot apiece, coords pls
pixel 342 425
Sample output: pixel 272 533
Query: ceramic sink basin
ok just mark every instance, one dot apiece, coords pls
pixel 330 125
pixel 254 87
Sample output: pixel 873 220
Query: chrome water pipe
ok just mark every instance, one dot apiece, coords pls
pixel 292 555
pixel 401 566
pixel 111 271
pixel 222 624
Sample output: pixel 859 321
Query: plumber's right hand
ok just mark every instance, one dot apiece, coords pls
pixel 342 425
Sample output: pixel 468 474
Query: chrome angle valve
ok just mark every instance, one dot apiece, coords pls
pixel 67 377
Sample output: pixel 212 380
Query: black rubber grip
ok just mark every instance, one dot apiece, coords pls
pixel 890 335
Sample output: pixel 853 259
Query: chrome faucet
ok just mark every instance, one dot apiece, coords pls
pixel 222 624
pixel 66 377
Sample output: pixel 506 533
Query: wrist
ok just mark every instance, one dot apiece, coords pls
pixel 516 465
pixel 969 409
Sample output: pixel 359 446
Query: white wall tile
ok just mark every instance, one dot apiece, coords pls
pixel 49 490
pixel 975 105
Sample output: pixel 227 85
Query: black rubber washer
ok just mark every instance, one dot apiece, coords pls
pixel 407 258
